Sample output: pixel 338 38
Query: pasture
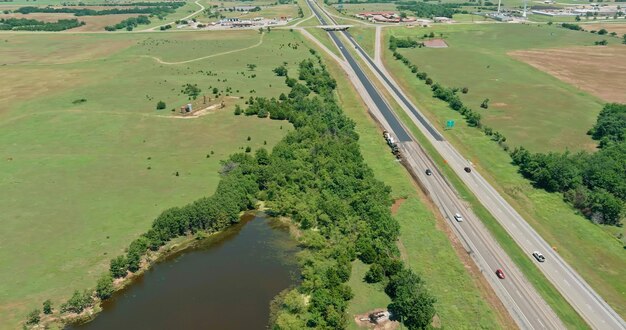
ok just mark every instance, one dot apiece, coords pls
pixel 554 108
pixel 530 107
pixel 84 178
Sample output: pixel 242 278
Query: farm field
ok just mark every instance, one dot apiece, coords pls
pixel 591 249
pixel 84 178
pixel 617 27
pixel 597 70
pixel 423 243
pixel 93 23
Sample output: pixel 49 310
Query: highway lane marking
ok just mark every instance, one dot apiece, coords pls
pixel 541 323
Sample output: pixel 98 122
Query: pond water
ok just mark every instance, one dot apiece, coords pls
pixel 224 282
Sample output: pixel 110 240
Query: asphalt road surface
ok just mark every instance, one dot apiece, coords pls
pixel 525 305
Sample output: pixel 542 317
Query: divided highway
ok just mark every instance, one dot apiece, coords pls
pixel 525 305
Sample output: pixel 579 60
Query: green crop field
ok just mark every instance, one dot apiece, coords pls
pixel 460 302
pixel 82 179
pixel 550 115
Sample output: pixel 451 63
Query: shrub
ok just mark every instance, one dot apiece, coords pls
pixel 33 317
pixel 161 105
pixel 104 289
pixel 47 307
pixel 375 274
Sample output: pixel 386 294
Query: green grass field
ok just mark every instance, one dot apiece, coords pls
pixel 82 180
pixel 592 251
pixel 365 36
pixel 528 106
pixel 460 304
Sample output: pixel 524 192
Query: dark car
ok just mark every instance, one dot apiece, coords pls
pixel 429 172
pixel 500 273
pixel 467 169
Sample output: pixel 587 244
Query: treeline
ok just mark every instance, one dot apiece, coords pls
pixel 572 26
pixel 317 176
pixel 594 183
pixel 423 9
pixel 129 24
pixel 24 24
pixel 120 4
pixel 159 11
pixel 395 43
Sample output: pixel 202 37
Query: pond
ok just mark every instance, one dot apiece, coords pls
pixel 224 282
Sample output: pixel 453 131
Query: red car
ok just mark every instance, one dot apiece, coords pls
pixel 500 273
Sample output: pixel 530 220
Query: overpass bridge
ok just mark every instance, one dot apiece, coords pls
pixel 335 27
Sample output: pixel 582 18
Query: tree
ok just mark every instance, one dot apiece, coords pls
pixel 375 274
pixel 603 32
pixel 624 37
pixel 161 105
pixel 119 267
pixel 78 302
pixel 33 317
pixel 410 300
pixel 280 71
pixel 465 90
pixel 238 110
pixel 104 288
pixel 485 104
pixel 577 18
pixel 47 307
pixel 251 67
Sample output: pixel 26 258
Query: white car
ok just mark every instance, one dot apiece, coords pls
pixel 539 256
pixel 458 217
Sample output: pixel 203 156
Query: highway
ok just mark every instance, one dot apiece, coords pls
pixel 525 305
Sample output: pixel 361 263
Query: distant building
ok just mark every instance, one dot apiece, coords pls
pixel 244 8
pixel 442 20
pixel 383 17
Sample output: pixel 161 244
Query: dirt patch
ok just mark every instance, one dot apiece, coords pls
pixel 396 205
pixel 363 321
pixel 619 28
pixel 598 70
pixel 435 43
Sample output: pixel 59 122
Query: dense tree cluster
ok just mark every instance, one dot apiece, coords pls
pixel 429 10
pixel 316 175
pixel 24 24
pixel 594 183
pixel 161 10
pixel 572 26
pixel 395 43
pixel 129 24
